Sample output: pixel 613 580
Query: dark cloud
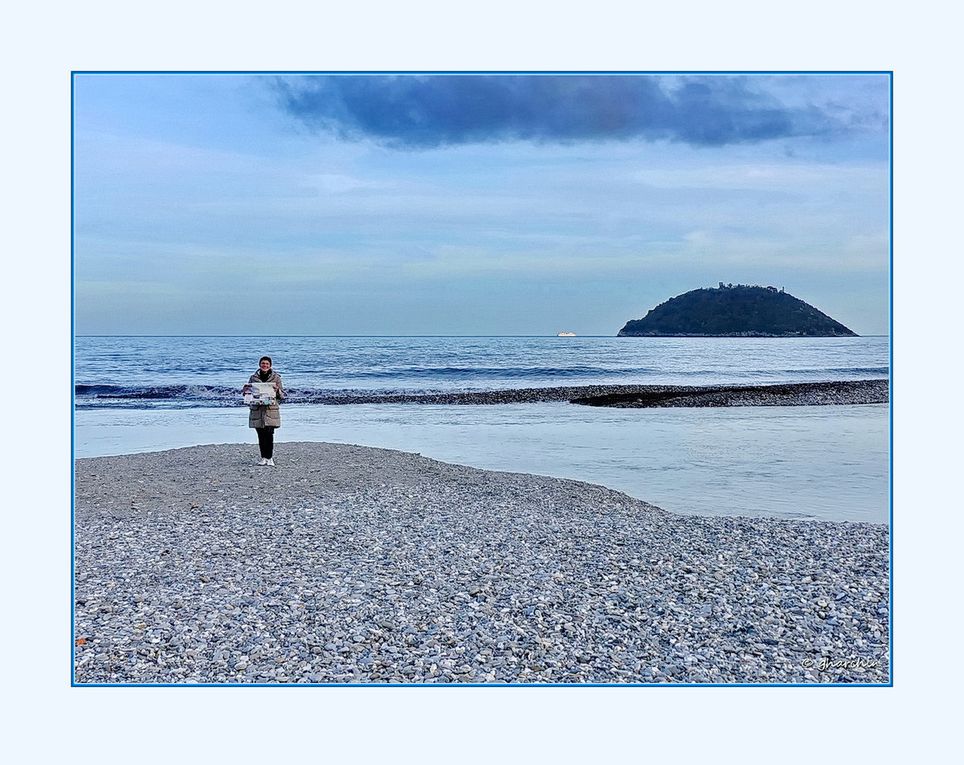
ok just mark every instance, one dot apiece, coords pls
pixel 425 111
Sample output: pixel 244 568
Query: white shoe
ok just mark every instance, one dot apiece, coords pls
pixel 263 461
pixel 269 463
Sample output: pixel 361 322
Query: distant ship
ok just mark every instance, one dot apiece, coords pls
pixel 566 334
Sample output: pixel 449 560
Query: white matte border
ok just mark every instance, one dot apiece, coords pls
pixel 50 720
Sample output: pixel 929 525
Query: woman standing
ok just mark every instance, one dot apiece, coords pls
pixel 264 418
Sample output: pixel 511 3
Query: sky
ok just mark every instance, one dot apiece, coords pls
pixel 471 204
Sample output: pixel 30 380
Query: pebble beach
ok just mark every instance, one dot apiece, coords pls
pixel 637 396
pixel 348 564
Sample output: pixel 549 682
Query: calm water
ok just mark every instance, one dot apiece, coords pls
pixel 794 462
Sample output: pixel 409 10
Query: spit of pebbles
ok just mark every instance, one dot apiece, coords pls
pixel 784 394
pixel 347 564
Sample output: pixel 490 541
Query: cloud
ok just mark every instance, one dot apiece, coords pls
pixel 334 183
pixel 429 111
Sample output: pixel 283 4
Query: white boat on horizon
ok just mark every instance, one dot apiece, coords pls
pixel 566 334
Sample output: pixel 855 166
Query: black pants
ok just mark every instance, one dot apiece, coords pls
pixel 266 441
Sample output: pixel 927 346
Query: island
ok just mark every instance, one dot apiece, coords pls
pixel 740 310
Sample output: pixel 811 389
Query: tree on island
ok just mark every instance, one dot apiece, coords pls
pixel 735 310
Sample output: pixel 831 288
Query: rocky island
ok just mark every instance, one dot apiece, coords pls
pixel 740 310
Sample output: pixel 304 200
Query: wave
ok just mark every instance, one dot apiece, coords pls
pixel 509 373
pixel 99 396
pixel 156 391
pixel 576 372
pixel 854 370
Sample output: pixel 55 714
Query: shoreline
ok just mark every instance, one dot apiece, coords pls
pixel 777 394
pixel 874 391
pixel 363 565
pixel 843 392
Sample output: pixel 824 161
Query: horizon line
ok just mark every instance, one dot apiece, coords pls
pixel 673 337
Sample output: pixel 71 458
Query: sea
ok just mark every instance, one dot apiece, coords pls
pixel 137 394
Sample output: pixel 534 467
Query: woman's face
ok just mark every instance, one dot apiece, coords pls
pixel 265 366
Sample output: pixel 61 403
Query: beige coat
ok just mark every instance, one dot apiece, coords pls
pixel 266 416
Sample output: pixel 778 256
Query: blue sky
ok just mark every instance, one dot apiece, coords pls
pixel 466 204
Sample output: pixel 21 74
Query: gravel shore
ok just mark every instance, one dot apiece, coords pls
pixel 789 394
pixel 347 564
pixel 794 394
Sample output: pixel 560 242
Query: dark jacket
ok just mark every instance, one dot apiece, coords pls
pixel 266 416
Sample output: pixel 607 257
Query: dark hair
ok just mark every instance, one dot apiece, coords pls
pixel 265 358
